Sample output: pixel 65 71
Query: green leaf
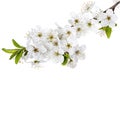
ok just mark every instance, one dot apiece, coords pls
pixel 66 58
pixel 9 50
pixel 16 44
pixel 13 55
pixel 108 31
pixel 18 56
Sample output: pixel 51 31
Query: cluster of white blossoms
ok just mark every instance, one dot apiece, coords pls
pixel 61 45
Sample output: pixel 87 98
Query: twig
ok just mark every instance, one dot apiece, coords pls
pixel 114 6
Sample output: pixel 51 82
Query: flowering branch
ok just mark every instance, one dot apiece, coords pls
pixel 61 45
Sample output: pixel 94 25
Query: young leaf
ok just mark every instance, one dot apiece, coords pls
pixel 108 31
pixel 18 56
pixel 9 50
pixel 16 44
pixel 13 55
pixel 66 58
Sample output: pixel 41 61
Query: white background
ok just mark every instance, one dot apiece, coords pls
pixel 90 90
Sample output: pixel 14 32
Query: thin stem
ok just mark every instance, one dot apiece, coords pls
pixel 114 6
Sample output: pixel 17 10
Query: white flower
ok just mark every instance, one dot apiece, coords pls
pixel 57 56
pixel 80 30
pixel 37 53
pixel 86 7
pixel 72 63
pixel 76 19
pixel 51 35
pixel 91 25
pixel 36 35
pixel 108 18
pixel 79 52
pixel 68 46
pixel 68 32
pixel 56 43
